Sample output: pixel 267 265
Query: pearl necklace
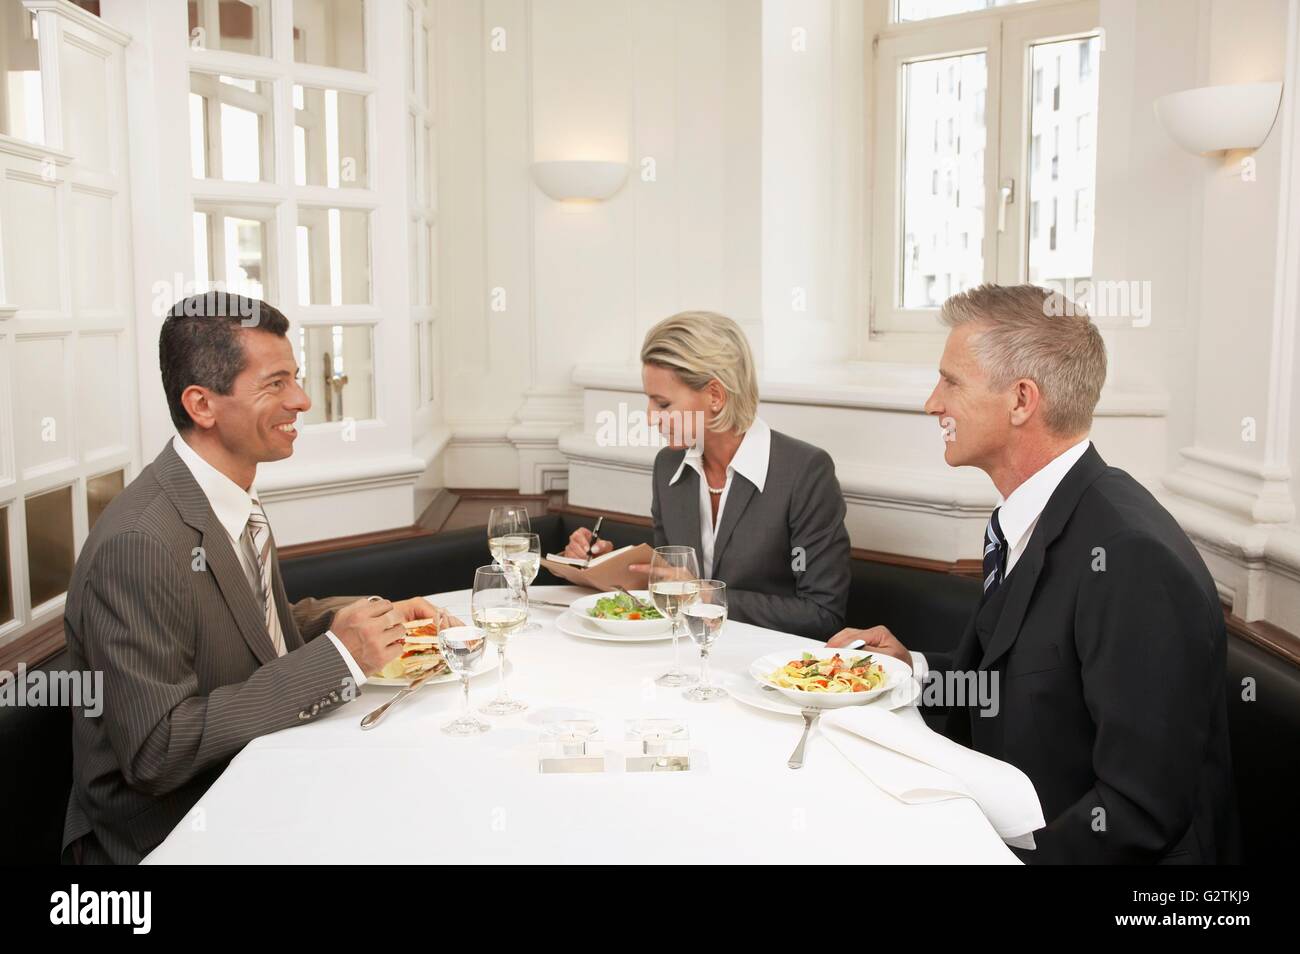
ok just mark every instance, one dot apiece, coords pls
pixel 717 490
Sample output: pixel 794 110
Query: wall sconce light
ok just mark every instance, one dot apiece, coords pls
pixel 581 180
pixel 1215 119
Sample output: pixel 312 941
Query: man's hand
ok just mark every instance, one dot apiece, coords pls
pixel 663 574
pixel 417 607
pixel 878 638
pixel 371 631
pixel 580 539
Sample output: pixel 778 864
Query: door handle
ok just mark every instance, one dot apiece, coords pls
pixel 1006 196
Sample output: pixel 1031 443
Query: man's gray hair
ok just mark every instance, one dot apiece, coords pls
pixel 1023 331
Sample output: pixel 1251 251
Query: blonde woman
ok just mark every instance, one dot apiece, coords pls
pixel 763 510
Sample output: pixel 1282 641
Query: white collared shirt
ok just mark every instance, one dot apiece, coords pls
pixel 1019 513
pixel 750 462
pixel 232 505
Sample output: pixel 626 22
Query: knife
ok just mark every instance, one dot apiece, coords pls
pixel 372 720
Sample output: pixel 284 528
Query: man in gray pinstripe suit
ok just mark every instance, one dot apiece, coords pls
pixel 177 597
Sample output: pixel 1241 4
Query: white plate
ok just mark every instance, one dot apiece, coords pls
pixel 744 689
pixel 584 627
pixel 486 663
pixel 896 672
pixel 626 628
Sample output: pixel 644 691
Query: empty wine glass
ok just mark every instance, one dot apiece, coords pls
pixel 674 584
pixel 704 619
pixel 462 647
pixel 499 605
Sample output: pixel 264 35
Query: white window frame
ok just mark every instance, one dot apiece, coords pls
pixel 61 26
pixel 277 201
pixel 1004 35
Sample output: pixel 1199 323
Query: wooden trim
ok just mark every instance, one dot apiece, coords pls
pixel 439 509
pixel 470 493
pixel 635 520
pixel 35 647
pixel 967 568
pixel 317 547
pixel 1265 635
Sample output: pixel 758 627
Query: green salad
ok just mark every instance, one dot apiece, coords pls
pixel 622 606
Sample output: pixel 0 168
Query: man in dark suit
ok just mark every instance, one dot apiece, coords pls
pixel 1099 630
pixel 177 596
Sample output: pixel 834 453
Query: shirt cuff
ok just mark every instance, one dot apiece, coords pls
pixel 919 666
pixel 358 676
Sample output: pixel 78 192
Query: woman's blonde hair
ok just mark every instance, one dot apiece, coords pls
pixel 701 346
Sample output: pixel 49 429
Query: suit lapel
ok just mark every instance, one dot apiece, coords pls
pixel 218 554
pixel 685 496
pixel 738 498
pixel 1024 576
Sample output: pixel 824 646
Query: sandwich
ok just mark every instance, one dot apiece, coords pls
pixel 420 653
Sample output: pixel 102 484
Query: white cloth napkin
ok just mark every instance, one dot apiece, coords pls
pixel 912 762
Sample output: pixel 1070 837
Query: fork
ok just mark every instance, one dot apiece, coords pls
pixel 809 719
pixel 635 599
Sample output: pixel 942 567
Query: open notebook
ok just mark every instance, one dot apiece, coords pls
pixel 605 572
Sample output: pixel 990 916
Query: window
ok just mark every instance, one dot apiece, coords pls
pixel 236 26
pixel 329 138
pixel 67 406
pixel 333 256
pixel 330 33
pixel 50 549
pixel 1008 79
pixel 230 128
pixel 22 102
pixel 100 492
pixel 1083 129
pixel 911 10
pixel 294 230
pixel 6 571
pixel 231 250
pixel 1082 208
pixel 926 212
pixel 1066 251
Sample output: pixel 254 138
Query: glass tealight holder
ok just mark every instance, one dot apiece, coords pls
pixel 571 745
pixel 656 745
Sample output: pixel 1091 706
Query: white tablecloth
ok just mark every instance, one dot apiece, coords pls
pixel 405 792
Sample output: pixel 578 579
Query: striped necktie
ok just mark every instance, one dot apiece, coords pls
pixel 259 532
pixel 995 553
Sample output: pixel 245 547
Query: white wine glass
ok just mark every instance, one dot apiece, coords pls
pixel 674 585
pixel 462 647
pixel 504 523
pixel 523 551
pixel 499 607
pixel 704 620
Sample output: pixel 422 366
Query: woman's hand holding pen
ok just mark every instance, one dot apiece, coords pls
pixel 580 540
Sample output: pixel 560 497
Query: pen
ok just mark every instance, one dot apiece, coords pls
pixel 595 538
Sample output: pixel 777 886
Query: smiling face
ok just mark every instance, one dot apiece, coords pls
pixel 255 421
pixel 976 421
pixel 674 406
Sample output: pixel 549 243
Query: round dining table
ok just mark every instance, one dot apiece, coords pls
pixel 403 791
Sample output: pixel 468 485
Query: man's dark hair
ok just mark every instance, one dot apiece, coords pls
pixel 199 344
